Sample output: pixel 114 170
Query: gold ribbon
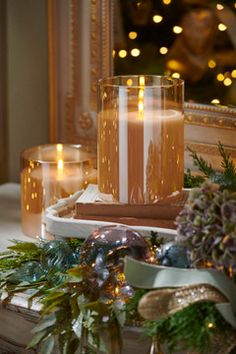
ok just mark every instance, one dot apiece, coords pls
pixel 217 285
pixel 158 304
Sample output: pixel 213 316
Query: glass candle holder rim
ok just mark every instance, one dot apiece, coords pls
pixel 110 81
pixel 27 152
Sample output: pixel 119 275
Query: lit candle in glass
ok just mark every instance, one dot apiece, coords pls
pixel 48 173
pixel 140 137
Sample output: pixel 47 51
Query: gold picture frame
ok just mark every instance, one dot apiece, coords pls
pixel 80 52
pixel 205 127
pixel 80 41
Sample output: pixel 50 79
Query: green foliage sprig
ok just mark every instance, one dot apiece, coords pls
pixel 76 311
pixel 225 178
pixel 193 328
pixel 191 181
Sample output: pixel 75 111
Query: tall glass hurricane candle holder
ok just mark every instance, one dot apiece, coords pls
pixel 48 173
pixel 140 137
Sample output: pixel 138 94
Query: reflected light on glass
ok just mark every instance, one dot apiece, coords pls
pixel 129 82
pixel 176 75
pixel 141 80
pixel 59 148
pixel 215 101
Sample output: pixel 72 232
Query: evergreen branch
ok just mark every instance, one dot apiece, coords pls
pixel 189 328
pixel 229 168
pixel 227 163
pixel 191 181
pixel 70 307
pixel 226 178
pixel 202 165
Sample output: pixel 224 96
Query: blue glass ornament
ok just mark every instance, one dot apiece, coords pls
pixel 173 254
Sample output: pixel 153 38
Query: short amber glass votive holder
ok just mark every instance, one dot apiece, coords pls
pixel 48 173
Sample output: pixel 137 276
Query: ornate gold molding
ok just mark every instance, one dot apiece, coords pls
pixel 209 149
pixel 210 116
pixel 80 49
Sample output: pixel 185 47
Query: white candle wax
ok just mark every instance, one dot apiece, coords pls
pixel 149 148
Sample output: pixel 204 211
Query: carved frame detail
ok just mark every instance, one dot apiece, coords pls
pixel 80 52
pixel 80 44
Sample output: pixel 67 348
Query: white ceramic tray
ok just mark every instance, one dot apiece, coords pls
pixel 59 221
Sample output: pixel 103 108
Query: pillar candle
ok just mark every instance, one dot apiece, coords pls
pixel 49 174
pixel 140 143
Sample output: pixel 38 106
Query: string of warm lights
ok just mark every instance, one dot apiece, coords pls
pixel 224 78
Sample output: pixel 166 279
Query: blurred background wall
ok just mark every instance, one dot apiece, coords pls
pixel 24 89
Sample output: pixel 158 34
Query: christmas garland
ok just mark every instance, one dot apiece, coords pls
pixel 83 290
pixel 79 301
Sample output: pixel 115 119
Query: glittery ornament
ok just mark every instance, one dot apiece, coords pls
pixel 103 254
pixel 173 255
pixel 108 246
pixel 126 292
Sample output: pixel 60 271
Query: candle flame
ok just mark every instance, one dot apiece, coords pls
pixel 60 166
pixel 141 98
pixel 60 162
pixel 140 108
pixel 141 80
pixel 59 148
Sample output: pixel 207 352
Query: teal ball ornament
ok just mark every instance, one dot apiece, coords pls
pixel 173 254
